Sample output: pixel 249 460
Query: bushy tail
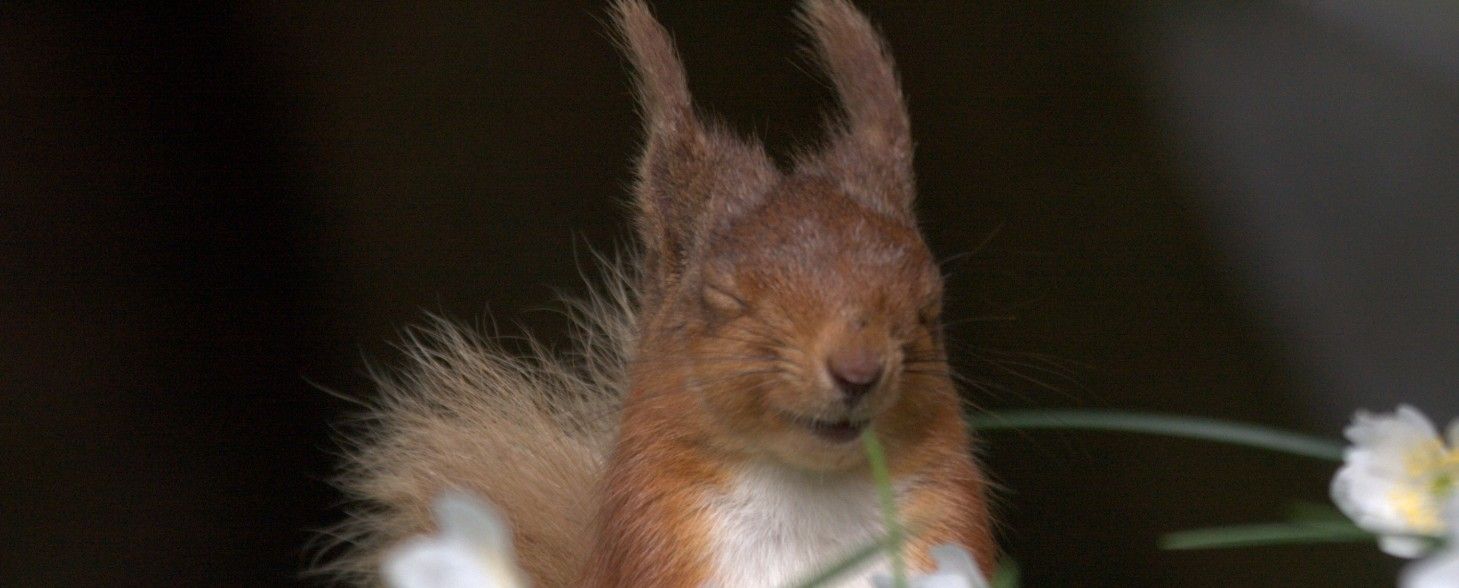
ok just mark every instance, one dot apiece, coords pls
pixel 530 433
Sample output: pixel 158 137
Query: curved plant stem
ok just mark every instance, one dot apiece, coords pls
pixel 1266 534
pixel 890 543
pixel 877 458
pixel 895 535
pixel 851 561
pixel 1163 424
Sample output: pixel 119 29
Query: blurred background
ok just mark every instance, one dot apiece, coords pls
pixel 210 213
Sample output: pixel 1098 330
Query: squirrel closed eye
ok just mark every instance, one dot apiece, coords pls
pixel 704 431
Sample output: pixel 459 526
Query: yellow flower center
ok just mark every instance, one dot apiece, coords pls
pixel 1417 510
pixel 1434 470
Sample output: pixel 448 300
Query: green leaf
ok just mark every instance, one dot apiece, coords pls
pixel 1309 512
pixel 1163 424
pixel 1006 576
pixel 1295 533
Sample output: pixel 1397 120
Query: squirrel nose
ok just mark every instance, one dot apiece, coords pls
pixel 855 372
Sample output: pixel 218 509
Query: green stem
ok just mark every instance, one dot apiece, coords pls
pixel 1163 424
pixel 1265 534
pixel 878 460
pixel 851 561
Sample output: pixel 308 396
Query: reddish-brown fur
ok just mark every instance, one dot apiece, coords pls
pixel 755 276
pixel 718 345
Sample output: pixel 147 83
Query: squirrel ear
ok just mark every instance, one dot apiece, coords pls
pixel 689 176
pixel 870 153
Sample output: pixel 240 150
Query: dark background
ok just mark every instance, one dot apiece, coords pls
pixel 206 215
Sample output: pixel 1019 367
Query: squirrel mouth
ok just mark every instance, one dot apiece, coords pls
pixel 842 431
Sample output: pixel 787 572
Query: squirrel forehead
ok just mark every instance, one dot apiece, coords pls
pixel 811 231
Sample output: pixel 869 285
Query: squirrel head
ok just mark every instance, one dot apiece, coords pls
pixel 802 304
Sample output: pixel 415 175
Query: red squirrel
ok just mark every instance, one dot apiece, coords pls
pixel 707 431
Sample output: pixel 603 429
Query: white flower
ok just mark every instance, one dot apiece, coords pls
pixel 472 550
pixel 955 569
pixel 1440 570
pixel 1396 476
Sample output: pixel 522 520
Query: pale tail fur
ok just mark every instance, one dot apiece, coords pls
pixel 530 433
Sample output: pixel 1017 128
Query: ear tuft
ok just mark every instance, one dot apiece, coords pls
pixel 690 177
pixel 663 92
pixel 871 154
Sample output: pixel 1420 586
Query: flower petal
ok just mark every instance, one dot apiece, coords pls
pixel 1386 482
pixel 955 569
pixel 1439 571
pixel 436 563
pixel 473 549
pixel 463 515
pixel 1407 547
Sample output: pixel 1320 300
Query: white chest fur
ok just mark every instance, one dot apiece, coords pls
pixel 776 525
